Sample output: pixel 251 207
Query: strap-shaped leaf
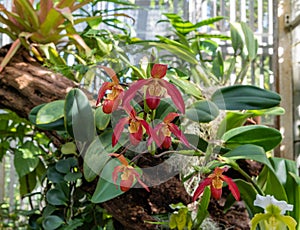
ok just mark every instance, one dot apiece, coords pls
pixel 260 135
pixel 50 112
pixel 245 97
pixel 55 125
pixel 79 116
pixel 250 152
pixel 106 189
pixel 202 111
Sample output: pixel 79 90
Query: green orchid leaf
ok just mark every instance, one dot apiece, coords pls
pixel 245 97
pixel 260 135
pixel 232 120
pixel 178 51
pixel 106 189
pixel 56 125
pixel 79 116
pixel 248 194
pixel 236 40
pixel 56 196
pixel 186 86
pixel 102 119
pixel 267 180
pixel 174 43
pixel 276 111
pixel 202 111
pixel 202 211
pixel 287 173
pixel 50 112
pixel 249 151
pixel 197 141
pixel 165 107
pixel 52 222
pixel 251 42
pixel 96 156
pixel 218 66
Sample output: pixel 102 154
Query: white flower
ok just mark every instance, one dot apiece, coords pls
pixel 265 201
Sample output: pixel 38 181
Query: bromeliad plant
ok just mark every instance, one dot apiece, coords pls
pixel 41 27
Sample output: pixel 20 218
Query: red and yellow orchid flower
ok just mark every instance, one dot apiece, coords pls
pixel 128 174
pixel 135 127
pixel 164 131
pixel 156 88
pixel 215 181
pixel 113 99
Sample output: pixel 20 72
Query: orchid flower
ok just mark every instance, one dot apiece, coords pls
pixel 164 131
pixel 113 99
pixel 128 174
pixel 135 127
pixel 215 181
pixel 274 217
pixel 156 88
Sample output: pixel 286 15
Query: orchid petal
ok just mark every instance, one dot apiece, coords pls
pixel 117 101
pixel 120 157
pixel 146 126
pixel 288 220
pixel 105 86
pixel 131 92
pixel 258 218
pixel 167 142
pixel 108 106
pixel 118 130
pixel 143 184
pixel 177 132
pixel 111 73
pixel 135 138
pixel 115 174
pixel 158 139
pixel 125 185
pixel 232 187
pixel 159 70
pixel 216 192
pixel 137 176
pixel 170 117
pixel 174 94
pixel 265 201
pixel 201 187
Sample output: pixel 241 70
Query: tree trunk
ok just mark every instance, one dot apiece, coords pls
pixel 25 83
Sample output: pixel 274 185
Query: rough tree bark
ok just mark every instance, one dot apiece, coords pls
pixel 25 83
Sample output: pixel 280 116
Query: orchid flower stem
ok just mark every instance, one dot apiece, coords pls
pixel 249 179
